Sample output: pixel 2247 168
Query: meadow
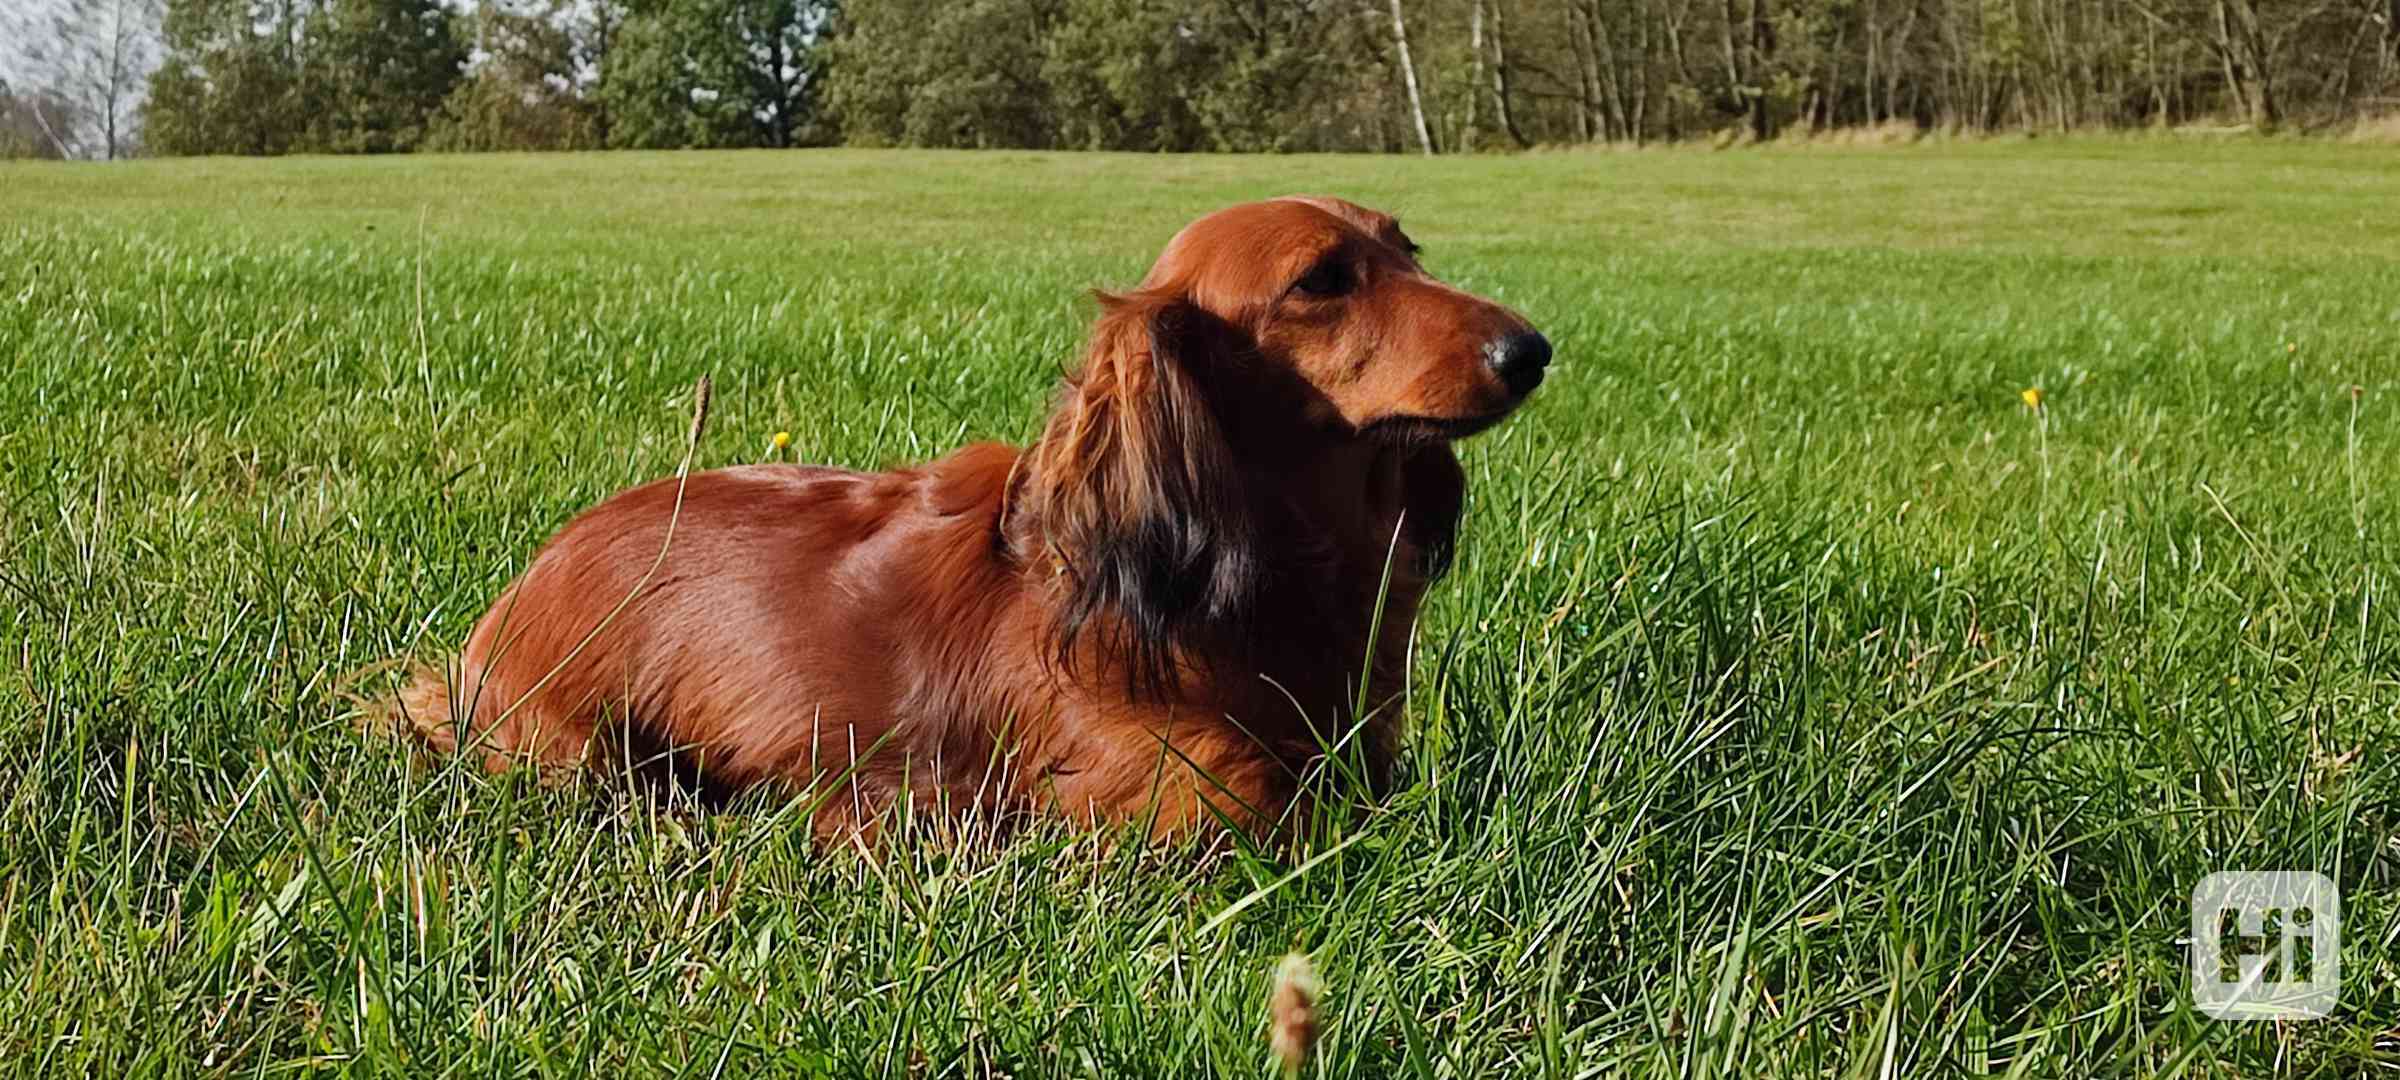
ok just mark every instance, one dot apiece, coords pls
pixel 1805 700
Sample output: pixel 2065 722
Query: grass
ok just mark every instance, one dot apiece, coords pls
pixel 1802 702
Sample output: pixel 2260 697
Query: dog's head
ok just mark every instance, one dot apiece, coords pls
pixel 1294 326
pixel 1326 301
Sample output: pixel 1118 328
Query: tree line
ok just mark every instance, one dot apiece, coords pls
pixel 1431 76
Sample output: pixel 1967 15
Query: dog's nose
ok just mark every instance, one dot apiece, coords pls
pixel 1519 359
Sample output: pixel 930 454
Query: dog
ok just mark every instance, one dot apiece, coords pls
pixel 1196 589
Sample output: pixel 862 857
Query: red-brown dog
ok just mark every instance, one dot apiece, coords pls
pixel 1159 613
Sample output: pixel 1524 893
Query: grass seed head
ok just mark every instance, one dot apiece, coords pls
pixel 1292 1012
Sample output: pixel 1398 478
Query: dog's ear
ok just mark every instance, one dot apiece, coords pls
pixel 1135 496
pixel 1433 492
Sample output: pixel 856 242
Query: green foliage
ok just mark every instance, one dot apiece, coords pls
pixel 715 73
pixel 1100 74
pixel 1254 75
pixel 341 76
pixel 1121 77
pixel 523 95
pixel 1801 703
pixel 945 73
pixel 377 72
pixel 226 86
pixel 1322 75
pixel 1297 76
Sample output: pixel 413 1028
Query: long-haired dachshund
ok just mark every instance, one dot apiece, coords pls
pixel 1198 584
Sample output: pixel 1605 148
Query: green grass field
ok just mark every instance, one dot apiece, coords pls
pixel 1802 701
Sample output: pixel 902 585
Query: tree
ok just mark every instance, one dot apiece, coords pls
pixel 1503 87
pixel 593 28
pixel 522 94
pixel 94 55
pixel 1288 76
pixel 273 76
pixel 230 82
pixel 714 73
pixel 265 76
pixel 31 123
pixel 963 73
pixel 1120 76
pixel 1129 74
pixel 1408 72
pixel 377 73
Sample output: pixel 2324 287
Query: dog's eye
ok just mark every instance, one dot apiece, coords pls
pixel 1330 278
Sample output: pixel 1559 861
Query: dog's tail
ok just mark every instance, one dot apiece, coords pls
pixel 425 708
pixel 429 706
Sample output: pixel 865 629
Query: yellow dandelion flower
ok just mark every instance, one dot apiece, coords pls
pixel 783 439
pixel 2291 347
pixel 2031 396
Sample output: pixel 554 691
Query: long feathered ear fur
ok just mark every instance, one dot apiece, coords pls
pixel 1434 493
pixel 1135 496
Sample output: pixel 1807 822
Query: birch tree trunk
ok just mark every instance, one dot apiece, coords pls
pixel 1466 139
pixel 2391 30
pixel 2242 43
pixel 114 79
pixel 2391 46
pixel 1501 83
pixel 1588 125
pixel 1608 87
pixel 1408 75
pixel 1762 49
pixel 1734 75
pixel 1871 84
